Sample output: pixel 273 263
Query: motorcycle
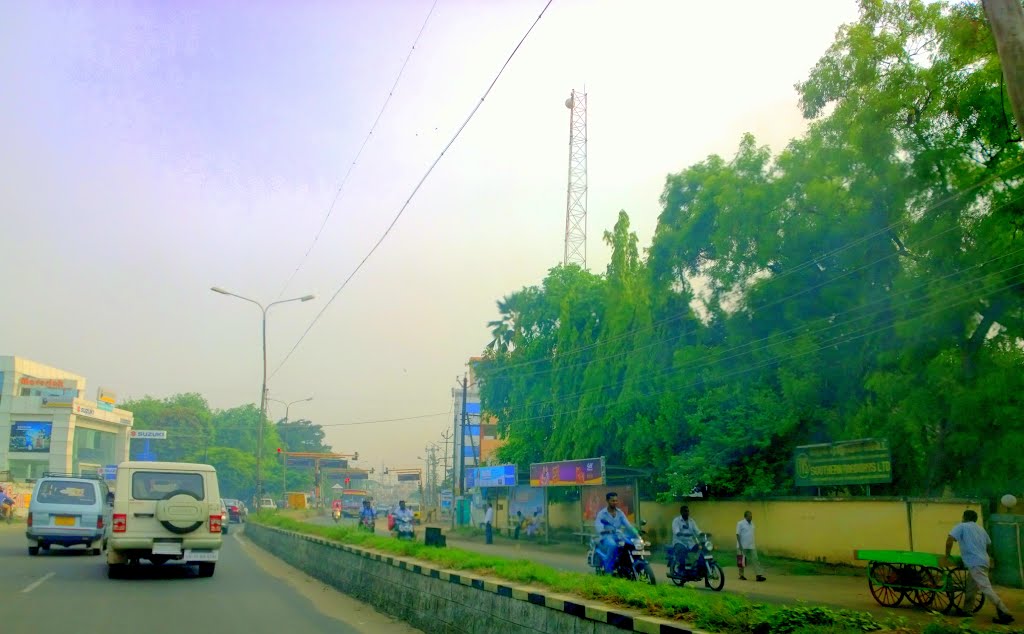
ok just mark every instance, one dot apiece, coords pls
pixel 336 514
pixel 367 524
pixel 404 529
pixel 705 569
pixel 630 557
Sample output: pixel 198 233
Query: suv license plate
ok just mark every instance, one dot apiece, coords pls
pixel 201 555
pixel 166 548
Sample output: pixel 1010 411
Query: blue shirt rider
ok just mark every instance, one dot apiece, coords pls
pixel 367 512
pixel 609 523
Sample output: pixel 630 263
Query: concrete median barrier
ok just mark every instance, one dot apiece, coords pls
pixel 437 600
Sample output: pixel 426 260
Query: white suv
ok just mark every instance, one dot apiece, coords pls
pixel 165 511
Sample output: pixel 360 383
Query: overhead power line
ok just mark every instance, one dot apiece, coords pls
pixel 415 189
pixel 344 180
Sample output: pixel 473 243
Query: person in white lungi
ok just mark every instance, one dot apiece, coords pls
pixel 746 548
pixel 974 546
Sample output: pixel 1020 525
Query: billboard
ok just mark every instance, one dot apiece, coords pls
pixel 30 436
pixel 863 461
pixel 593 500
pixel 408 477
pixel 567 473
pixel 300 462
pixel 499 476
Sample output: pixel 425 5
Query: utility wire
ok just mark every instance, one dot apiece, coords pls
pixel 415 190
pixel 344 180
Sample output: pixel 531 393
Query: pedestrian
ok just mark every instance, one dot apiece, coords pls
pixel 974 548
pixel 519 523
pixel 746 549
pixel 488 521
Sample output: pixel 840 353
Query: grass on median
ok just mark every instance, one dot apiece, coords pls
pixel 719 612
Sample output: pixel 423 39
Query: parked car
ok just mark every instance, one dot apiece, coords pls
pixel 236 510
pixel 165 511
pixel 267 504
pixel 68 510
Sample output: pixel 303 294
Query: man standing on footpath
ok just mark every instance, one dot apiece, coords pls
pixel 746 550
pixel 488 521
pixel 974 546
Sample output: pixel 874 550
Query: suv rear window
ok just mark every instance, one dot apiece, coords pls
pixel 158 485
pixel 67 492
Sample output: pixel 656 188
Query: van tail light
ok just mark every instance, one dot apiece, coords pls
pixel 99 522
pixel 216 521
pixel 29 520
pixel 120 522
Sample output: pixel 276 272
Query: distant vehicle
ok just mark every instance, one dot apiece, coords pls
pixel 236 510
pixel 298 501
pixel 267 504
pixel 165 511
pixel 352 502
pixel 225 517
pixel 415 507
pixel 68 510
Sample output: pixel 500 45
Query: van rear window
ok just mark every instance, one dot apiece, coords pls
pixel 66 492
pixel 159 485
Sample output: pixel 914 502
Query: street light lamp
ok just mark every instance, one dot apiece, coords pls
pixel 287 406
pixel 263 391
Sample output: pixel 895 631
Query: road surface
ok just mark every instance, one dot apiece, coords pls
pixel 252 592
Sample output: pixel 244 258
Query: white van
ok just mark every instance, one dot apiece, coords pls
pixel 165 511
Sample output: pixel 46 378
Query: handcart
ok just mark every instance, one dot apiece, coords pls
pixel 919 577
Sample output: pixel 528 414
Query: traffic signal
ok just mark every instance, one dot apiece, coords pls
pixel 347 480
pixel 279 454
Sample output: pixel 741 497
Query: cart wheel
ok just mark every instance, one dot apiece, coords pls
pixel 928 584
pixel 882 581
pixel 956 589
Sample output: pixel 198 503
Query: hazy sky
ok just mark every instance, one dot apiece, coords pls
pixel 152 150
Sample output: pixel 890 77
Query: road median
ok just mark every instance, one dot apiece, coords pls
pixel 628 605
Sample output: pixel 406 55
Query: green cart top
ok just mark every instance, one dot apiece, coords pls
pixel 904 557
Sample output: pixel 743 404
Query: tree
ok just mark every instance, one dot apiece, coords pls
pixel 302 435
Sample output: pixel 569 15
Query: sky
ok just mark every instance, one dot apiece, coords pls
pixel 153 150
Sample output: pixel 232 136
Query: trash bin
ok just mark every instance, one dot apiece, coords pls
pixel 1006 532
pixel 434 537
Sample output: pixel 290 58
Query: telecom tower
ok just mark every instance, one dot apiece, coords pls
pixel 576 193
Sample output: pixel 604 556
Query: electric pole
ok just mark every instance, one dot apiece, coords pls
pixel 462 437
pixel 1006 18
pixel 446 437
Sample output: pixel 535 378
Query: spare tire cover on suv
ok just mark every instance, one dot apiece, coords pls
pixel 181 512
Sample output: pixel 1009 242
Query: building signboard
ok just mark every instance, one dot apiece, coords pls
pixel 567 473
pixel 863 461
pixel 498 476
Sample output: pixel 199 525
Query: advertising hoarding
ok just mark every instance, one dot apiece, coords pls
pixel 497 476
pixel 567 473
pixel 30 436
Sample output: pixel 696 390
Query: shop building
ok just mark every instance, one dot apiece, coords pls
pixel 48 424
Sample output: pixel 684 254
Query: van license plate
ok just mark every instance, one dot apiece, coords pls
pixel 64 520
pixel 201 555
pixel 166 548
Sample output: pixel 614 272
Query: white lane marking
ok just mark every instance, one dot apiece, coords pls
pixel 38 582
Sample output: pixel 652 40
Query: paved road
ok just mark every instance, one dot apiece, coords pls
pixel 252 592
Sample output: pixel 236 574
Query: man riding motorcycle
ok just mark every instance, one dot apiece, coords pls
pixel 403 520
pixel 6 506
pixel 336 510
pixel 367 516
pixel 685 538
pixel 612 525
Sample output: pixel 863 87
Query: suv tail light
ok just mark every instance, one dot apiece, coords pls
pixel 29 520
pixel 234 509
pixel 216 521
pixel 99 522
pixel 120 522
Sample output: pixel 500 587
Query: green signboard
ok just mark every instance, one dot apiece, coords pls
pixel 864 461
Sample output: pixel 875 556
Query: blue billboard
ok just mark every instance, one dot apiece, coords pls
pixel 499 476
pixel 30 436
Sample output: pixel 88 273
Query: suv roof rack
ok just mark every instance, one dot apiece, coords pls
pixel 81 476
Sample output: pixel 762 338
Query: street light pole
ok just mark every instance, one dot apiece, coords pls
pixel 288 406
pixel 263 390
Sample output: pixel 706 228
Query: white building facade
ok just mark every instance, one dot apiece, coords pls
pixel 48 424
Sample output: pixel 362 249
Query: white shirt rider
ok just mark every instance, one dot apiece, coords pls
pixel 403 515
pixel 685 531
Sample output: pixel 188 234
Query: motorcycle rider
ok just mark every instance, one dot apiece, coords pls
pixel 403 517
pixel 685 538
pixel 336 509
pixel 367 516
pixel 609 523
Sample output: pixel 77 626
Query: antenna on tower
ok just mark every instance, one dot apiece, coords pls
pixel 576 192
